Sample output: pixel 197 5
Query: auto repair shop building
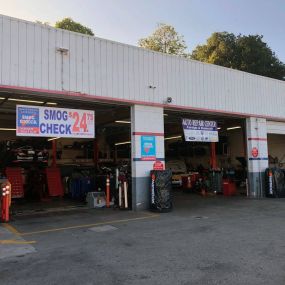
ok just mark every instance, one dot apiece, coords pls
pixel 43 64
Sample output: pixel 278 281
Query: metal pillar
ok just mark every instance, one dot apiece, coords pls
pixel 53 153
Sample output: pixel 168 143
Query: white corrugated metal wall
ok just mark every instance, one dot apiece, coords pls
pixel 29 58
pixel 275 127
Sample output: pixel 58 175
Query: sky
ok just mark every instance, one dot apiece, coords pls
pixel 129 20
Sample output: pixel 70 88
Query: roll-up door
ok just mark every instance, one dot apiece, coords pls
pixel 275 127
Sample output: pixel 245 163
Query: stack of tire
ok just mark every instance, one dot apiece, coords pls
pixel 275 183
pixel 161 191
pixel 216 181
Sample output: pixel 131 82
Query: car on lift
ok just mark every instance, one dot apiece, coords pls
pixel 29 153
pixel 178 168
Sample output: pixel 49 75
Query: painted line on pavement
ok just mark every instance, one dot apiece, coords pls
pixel 87 225
pixel 11 229
pixel 11 241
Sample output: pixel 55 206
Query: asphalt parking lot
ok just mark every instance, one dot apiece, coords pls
pixel 212 240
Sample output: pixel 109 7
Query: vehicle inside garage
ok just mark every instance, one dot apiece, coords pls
pixel 85 166
pixel 203 167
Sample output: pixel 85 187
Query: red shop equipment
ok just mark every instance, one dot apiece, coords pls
pixel 186 182
pixel 5 200
pixel 108 191
pixel 229 188
pixel 15 177
pixel 55 188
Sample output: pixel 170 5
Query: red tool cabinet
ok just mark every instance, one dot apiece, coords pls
pixel 15 177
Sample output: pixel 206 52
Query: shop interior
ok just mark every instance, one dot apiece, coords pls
pixel 84 164
pixel 195 169
pixel 275 174
pixel 276 151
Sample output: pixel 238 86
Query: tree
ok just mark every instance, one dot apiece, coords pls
pixel 246 53
pixel 165 39
pixel 256 57
pixel 70 25
pixel 220 49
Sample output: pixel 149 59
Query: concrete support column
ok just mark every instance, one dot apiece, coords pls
pixel 147 130
pixel 257 155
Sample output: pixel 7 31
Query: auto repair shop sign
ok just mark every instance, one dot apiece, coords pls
pixel 36 121
pixel 200 130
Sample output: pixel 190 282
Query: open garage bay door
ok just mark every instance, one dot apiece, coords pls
pixel 275 127
pixel 276 143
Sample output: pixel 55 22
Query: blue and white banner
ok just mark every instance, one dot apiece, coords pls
pixel 148 148
pixel 34 121
pixel 200 130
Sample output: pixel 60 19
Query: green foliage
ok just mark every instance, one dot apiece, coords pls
pixel 165 39
pixel 70 25
pixel 246 53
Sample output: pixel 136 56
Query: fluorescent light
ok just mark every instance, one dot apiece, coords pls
pixel 7 129
pixel 165 115
pixel 52 139
pixel 122 122
pixel 233 128
pixel 173 138
pixel 2 98
pixel 27 101
pixel 219 128
pixel 121 143
pixel 51 103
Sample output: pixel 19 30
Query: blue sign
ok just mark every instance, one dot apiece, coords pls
pixel 28 120
pixel 148 148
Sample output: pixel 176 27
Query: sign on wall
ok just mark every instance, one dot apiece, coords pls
pixel 200 130
pixel 148 148
pixel 36 121
pixel 258 150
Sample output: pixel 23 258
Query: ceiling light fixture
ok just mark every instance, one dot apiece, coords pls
pixel 173 138
pixel 51 103
pixel 26 101
pixel 2 98
pixel 122 143
pixel 122 122
pixel 52 139
pixel 233 128
pixel 7 129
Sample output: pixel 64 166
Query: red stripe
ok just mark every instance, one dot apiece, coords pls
pixel 148 134
pixel 257 139
pixel 132 102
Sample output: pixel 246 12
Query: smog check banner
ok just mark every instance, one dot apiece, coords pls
pixel 36 121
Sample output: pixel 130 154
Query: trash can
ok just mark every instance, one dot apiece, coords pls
pixel 229 187
pixel 161 191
